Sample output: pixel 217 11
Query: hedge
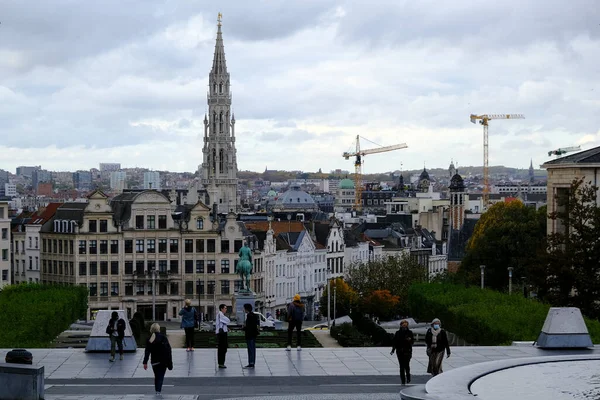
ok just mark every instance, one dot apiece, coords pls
pixel 482 316
pixel 34 314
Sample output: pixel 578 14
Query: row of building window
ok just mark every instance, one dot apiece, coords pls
pixel 162 288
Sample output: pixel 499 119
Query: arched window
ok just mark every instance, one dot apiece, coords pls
pixel 214 122
pixel 221 161
pixel 221 87
pixel 221 122
pixel 199 223
pixel 214 160
pixel 214 88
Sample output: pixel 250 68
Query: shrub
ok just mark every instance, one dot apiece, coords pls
pixel 35 314
pixel 483 317
pixel 377 335
pixel 348 336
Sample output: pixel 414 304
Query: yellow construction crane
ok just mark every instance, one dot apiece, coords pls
pixel 358 166
pixel 483 120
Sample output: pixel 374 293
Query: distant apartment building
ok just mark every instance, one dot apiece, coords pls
pixel 64 178
pixel 82 180
pixel 117 180
pixel 27 171
pixel 39 176
pixel 510 188
pixel 10 190
pixel 3 181
pixel 152 180
pixel 136 245
pixel 110 167
pixel 5 275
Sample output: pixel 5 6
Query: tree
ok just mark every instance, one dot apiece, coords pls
pixel 381 303
pixel 345 297
pixel 507 235
pixel 393 273
pixel 570 273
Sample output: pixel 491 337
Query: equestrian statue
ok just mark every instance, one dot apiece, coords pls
pixel 244 267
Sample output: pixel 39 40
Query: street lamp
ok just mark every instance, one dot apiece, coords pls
pixel 269 305
pixel 153 271
pixel 328 298
pixel 510 273
pixel 334 302
pixel 482 274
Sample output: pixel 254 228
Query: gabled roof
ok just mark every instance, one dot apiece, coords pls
pixel 277 226
pixel 40 218
pixel 591 156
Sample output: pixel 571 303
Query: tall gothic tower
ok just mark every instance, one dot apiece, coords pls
pixel 457 202
pixel 219 163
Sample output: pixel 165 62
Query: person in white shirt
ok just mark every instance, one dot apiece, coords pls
pixel 221 331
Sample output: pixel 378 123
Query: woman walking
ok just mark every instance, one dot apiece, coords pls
pixel 189 316
pixel 402 345
pixel 437 341
pixel 158 350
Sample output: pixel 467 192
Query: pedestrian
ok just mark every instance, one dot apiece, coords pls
pixel 402 344
pixel 250 333
pixel 221 331
pixel 437 341
pixel 295 316
pixel 159 348
pixel 189 321
pixel 116 332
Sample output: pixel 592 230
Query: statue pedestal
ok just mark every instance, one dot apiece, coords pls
pixel 99 340
pixel 241 298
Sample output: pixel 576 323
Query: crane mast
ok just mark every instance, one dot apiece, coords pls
pixel 358 166
pixel 483 120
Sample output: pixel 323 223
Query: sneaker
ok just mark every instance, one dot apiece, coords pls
pixel 222 366
pixel 249 366
pixel 121 357
pixel 159 394
pixel 112 359
pixel 289 348
pixel 299 348
pixel 408 379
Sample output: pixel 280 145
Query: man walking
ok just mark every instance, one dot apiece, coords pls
pixel 221 331
pixel 116 332
pixel 295 316
pixel 250 333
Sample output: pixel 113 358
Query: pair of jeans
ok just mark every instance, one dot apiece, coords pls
pixel 298 326
pixel 116 341
pixel 159 375
pixel 221 347
pixel 404 362
pixel 251 343
pixel 189 337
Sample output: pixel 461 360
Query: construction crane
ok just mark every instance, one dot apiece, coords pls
pixel 563 150
pixel 358 166
pixel 483 120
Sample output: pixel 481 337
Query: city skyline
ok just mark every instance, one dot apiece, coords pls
pixel 87 83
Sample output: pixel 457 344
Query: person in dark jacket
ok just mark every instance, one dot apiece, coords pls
pixel 402 345
pixel 295 316
pixel 251 327
pixel 189 319
pixel 437 342
pixel 116 332
pixel 158 350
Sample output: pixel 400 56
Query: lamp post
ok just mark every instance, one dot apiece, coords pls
pixel 153 272
pixel 334 302
pixel 269 305
pixel 328 298
pixel 482 274
pixel 510 273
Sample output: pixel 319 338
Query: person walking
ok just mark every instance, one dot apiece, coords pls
pixel 295 316
pixel 116 332
pixel 221 331
pixel 158 349
pixel 437 342
pixel 189 321
pixel 250 333
pixel 402 344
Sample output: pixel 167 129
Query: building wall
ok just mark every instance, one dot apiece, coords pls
pixel 5 241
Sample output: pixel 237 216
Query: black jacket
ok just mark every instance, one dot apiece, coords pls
pixel 403 342
pixel 120 327
pixel 441 342
pixel 251 326
pixel 158 351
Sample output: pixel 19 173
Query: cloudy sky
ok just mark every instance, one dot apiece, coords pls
pixel 83 82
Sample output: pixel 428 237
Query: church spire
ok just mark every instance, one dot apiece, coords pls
pixel 219 66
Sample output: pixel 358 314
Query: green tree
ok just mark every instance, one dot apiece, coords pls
pixel 345 297
pixel 393 273
pixel 569 275
pixel 507 235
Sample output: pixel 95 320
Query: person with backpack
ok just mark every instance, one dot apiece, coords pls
pixel 116 333
pixel 158 349
pixel 295 316
pixel 402 344
pixel 251 331
pixel 221 330
pixel 189 321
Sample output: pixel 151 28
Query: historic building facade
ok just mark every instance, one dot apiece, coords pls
pixel 219 163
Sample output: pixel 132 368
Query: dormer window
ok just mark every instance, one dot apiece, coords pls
pixel 199 223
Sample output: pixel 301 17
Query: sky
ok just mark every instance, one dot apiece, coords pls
pixel 84 82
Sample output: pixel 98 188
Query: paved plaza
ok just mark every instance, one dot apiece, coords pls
pixel 75 374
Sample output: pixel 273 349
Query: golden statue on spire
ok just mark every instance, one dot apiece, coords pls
pixel 219 18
